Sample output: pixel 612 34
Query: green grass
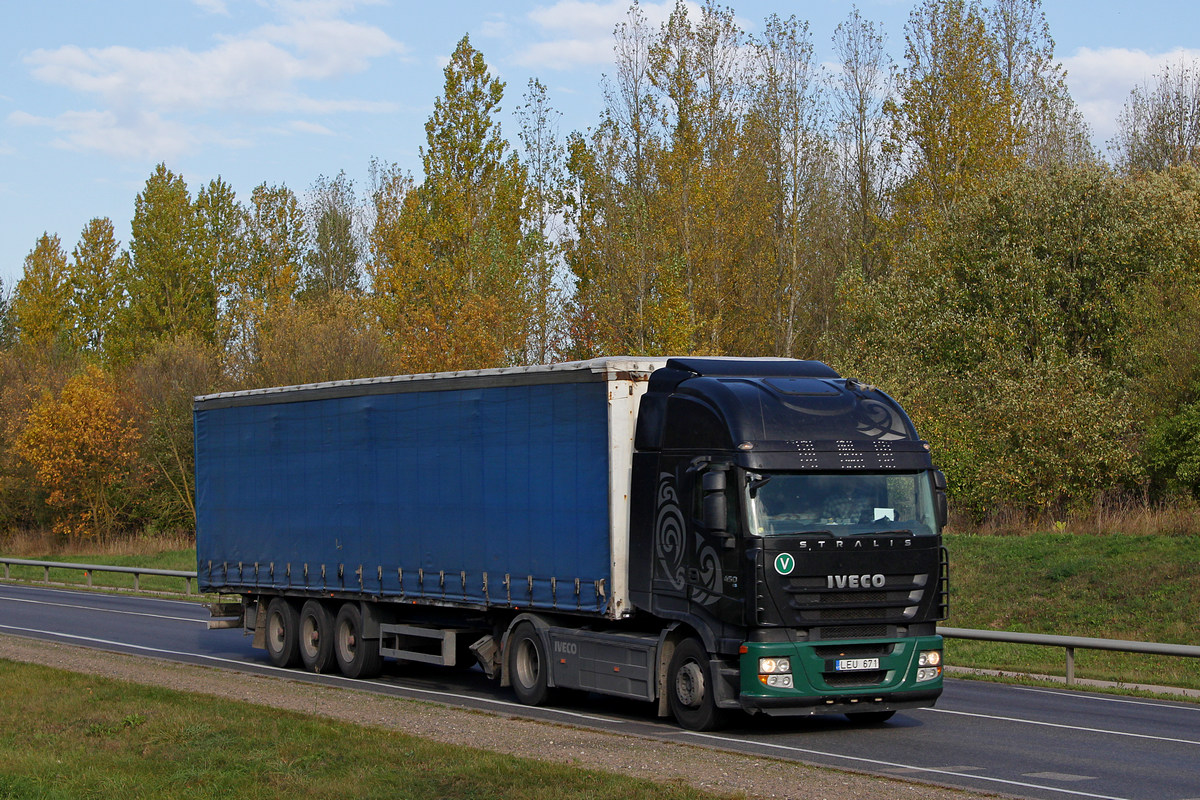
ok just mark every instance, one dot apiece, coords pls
pixel 1140 588
pixel 64 735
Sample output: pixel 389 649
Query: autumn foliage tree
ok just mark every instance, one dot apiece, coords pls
pixel 82 447
pixel 449 267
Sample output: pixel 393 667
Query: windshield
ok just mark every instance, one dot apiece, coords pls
pixel 784 504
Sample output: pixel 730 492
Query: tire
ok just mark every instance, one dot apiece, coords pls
pixel 283 625
pixel 357 657
pixel 690 693
pixel 870 717
pixel 316 637
pixel 528 665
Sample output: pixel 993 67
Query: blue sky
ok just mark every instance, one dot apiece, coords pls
pixel 94 94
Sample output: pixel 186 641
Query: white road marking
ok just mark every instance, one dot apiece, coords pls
pixel 913 767
pixel 1108 699
pixel 1060 725
pixel 349 683
pixel 102 610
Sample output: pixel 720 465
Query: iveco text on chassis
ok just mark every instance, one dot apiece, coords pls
pixel 710 535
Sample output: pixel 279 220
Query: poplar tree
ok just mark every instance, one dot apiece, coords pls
pixel 1159 126
pixel 97 277
pixel 450 272
pixel 171 292
pixel 953 115
pixel 40 304
pixel 331 266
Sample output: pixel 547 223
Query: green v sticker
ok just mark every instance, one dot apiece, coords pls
pixel 784 563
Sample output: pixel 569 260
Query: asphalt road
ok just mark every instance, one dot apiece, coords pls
pixel 1014 740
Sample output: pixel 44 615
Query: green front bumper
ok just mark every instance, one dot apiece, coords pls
pixel 818 686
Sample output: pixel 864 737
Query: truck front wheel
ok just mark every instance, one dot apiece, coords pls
pixel 690 693
pixel 282 633
pixel 357 656
pixel 528 665
pixel 316 637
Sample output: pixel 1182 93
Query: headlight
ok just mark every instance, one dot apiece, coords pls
pixel 930 658
pixel 774 666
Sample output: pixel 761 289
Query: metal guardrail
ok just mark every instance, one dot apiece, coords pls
pixel 88 569
pixel 1071 643
pixel 1068 643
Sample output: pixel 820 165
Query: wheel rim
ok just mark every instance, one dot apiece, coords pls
pixel 528 665
pixel 346 642
pixel 275 632
pixel 689 685
pixel 310 636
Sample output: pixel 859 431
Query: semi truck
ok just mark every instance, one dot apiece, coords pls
pixel 707 535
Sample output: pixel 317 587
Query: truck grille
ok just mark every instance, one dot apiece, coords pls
pixel 843 595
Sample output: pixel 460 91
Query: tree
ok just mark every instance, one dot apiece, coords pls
pixel 171 291
pixel 331 266
pixel 1049 126
pixel 866 176
pixel 1014 336
pixel 39 306
pixel 275 241
pixel 544 163
pixel 789 117
pixel 162 383
pixel 1159 126
pixel 449 271
pixel 82 447
pixel 953 114
pixel 96 274
pixel 7 334
pixel 221 251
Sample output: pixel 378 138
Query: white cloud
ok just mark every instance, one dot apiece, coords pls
pixel 213 6
pixel 580 33
pixel 128 137
pixel 303 126
pixel 1101 80
pixel 155 96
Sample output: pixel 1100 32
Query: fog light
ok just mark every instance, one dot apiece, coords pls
pixel 928 673
pixel 776 681
pixel 774 666
pixel 930 658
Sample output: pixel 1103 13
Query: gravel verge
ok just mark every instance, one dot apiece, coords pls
pixel 652 759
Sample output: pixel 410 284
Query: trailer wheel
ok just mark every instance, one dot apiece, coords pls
pixel 690 693
pixel 870 717
pixel 528 665
pixel 357 657
pixel 282 633
pixel 316 637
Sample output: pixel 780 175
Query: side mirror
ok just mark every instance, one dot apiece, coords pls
pixel 716 504
pixel 940 506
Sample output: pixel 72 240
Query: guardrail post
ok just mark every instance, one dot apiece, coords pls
pixel 46 574
pixel 1070 664
pixel 136 582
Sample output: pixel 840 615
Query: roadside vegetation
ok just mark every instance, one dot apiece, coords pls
pixel 942 227
pixel 1110 586
pixel 65 736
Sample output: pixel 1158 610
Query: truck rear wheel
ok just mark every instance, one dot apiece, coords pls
pixel 283 625
pixel 528 665
pixel 357 656
pixel 690 692
pixel 316 637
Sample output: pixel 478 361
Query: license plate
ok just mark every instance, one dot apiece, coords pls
pixel 856 664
